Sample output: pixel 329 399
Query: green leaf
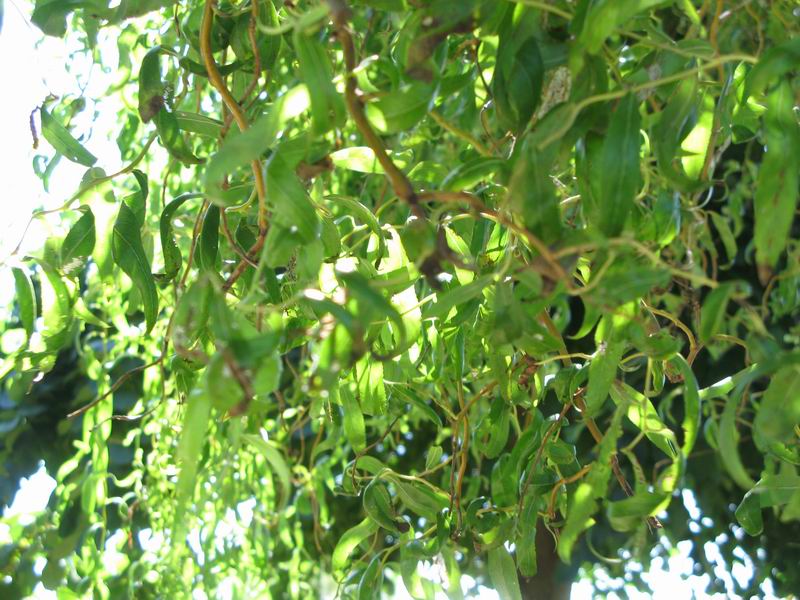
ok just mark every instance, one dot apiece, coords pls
pixel 277 463
pixel 169 247
pixel 503 573
pixel 468 174
pixel 63 142
pixel 641 412
pixel 713 312
pixel 626 281
pixel 518 75
pixel 190 446
pixel 151 88
pixel 365 215
pixel 772 65
pixel 208 245
pixel 618 168
pixel 503 481
pixel 728 439
pixel 372 303
pixel 371 391
pixel 79 243
pixel 603 370
pixel 532 193
pixel 776 194
pixel 128 252
pixel 354 428
pixel 627 514
pixel 172 139
pixel 372 580
pixel 771 490
pixel 378 506
pixel 199 124
pixel 293 210
pixel 26 299
pixel 525 543
pixel 128 9
pixel 604 16
pixel 51 15
pixel 57 305
pixel 676 121
pixel 726 236
pixel 457 296
pixel 224 391
pixel 245 147
pixel 350 541
pixel 583 503
pixel 362 159
pixel 418 497
pixel 691 398
pixel 316 72
pixel 402 109
pixel 779 410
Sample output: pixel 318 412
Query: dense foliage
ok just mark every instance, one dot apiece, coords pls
pixel 410 290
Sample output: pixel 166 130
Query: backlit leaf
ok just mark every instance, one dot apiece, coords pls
pixel 128 252
pixel 63 141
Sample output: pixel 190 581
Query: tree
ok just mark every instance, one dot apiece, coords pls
pixel 482 286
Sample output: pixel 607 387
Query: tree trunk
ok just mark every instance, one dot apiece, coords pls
pixel 553 580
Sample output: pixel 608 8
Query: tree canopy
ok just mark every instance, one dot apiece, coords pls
pixel 392 291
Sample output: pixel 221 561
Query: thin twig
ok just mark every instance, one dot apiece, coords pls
pixel 117 384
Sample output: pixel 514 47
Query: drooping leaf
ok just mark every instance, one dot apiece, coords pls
pixel 317 74
pixel 713 312
pixel 603 370
pixel 151 87
pixel 63 141
pixel 618 168
pixel 779 411
pixel 503 573
pixel 80 241
pixel 532 193
pixel 128 252
pixel 641 412
pixel 354 428
pixel 57 303
pixel 172 139
pixel 673 126
pixel 626 514
pixel 277 464
pixel 729 439
pixel 350 541
pixel 294 209
pixel 691 396
pixel 208 245
pixel 372 579
pixel 771 490
pixel 772 65
pixel 778 179
pixel 604 16
pixel 378 505
pixel 583 503
pixel 518 75
pixel 240 149
pixel 169 247
pixel 26 299
pixel 192 439
pixel 402 109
